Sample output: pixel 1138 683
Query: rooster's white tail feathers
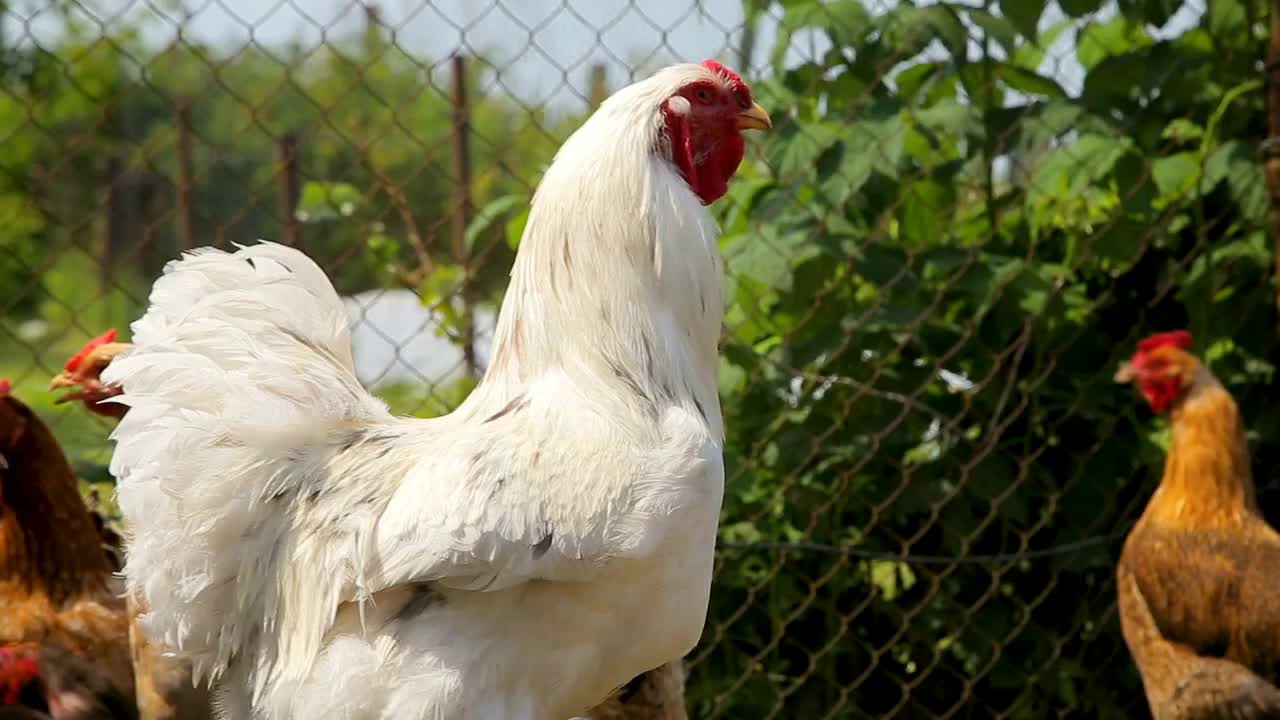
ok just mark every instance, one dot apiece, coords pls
pixel 241 367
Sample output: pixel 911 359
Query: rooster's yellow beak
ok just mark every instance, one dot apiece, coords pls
pixel 754 118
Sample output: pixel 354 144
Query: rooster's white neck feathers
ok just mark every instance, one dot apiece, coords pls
pixel 618 273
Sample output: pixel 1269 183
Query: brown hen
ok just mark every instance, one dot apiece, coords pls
pixel 63 631
pixel 164 686
pixel 1200 571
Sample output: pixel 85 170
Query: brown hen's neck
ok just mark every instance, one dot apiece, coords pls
pixel 48 541
pixel 1207 478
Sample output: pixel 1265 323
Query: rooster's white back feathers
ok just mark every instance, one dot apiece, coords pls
pixel 519 558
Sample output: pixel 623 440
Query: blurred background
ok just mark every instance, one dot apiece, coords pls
pixel 965 216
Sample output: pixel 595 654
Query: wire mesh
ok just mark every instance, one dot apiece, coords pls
pixel 964 216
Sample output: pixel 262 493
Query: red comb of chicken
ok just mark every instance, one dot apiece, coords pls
pixel 19 669
pixel 82 375
pixel 1180 339
pixel 735 80
pixel 103 339
pixel 5 387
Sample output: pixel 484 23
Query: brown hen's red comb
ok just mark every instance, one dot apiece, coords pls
pixel 1177 338
pixel 6 387
pixel 734 79
pixel 103 339
pixel 19 666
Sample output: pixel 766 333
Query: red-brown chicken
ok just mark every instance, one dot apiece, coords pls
pixel 82 371
pixel 1200 572
pixel 165 690
pixel 47 681
pixel 64 632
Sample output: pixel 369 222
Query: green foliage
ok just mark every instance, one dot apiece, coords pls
pixel 85 129
pixel 879 251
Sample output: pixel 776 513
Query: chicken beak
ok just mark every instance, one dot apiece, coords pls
pixel 66 380
pixel 61 380
pixel 754 118
pixel 1126 373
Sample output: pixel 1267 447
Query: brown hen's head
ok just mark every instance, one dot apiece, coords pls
pixel 1162 369
pixel 20 677
pixel 82 372
pixel 55 683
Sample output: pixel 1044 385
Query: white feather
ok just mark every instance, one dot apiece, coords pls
pixel 519 558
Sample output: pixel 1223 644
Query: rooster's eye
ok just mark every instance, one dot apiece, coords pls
pixel 702 94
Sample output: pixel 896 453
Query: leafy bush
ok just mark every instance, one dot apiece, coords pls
pixel 935 270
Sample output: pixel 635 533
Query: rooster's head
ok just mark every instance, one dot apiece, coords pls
pixel 1162 368
pixel 703 120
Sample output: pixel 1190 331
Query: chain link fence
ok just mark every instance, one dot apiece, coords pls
pixel 964 217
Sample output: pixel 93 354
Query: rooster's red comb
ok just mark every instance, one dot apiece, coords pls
pixel 1180 339
pixel 6 387
pixel 103 339
pixel 734 79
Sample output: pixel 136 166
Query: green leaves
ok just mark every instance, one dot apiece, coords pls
pixel 1071 186
pixel 891 578
pixel 908 29
pixel 1029 81
pixel 1155 12
pixel 489 215
pixel 321 201
pixel 794 148
pixel 1226 17
pixel 1024 14
pixel 765 256
pixel 1175 174
pixel 843 21
pixel 1079 8
pixel 1237 163
pixel 926 212
pixel 997 28
pixel 1115 37
pixel 871 146
pixel 1182 130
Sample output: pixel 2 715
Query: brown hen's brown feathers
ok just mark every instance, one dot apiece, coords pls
pixel 165 690
pixel 1200 572
pixel 655 695
pixel 55 580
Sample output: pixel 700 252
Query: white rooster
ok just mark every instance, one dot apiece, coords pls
pixel 520 558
